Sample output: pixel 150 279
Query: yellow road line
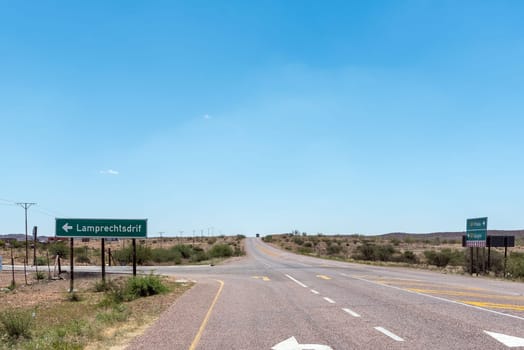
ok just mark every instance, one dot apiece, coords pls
pixel 324 277
pixel 457 293
pixel 494 306
pixel 427 284
pixel 206 319
pixel 263 278
pixel 267 251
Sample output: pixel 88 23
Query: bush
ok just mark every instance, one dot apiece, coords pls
pixel 221 250
pixel 39 275
pixel 268 239
pixel 384 252
pixel 60 249
pixel 409 257
pixel 198 256
pixel 107 285
pixel 496 262
pixel 16 323
pixel 185 250
pixel 40 261
pixel 445 257
pixel 125 256
pixel 365 252
pixel 516 265
pixel 395 241
pixel 160 255
pixel 374 252
pixel 334 249
pixel 298 240
pixel 144 286
pixel 83 259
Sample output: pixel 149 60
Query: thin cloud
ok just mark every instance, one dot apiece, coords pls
pixel 207 116
pixel 109 172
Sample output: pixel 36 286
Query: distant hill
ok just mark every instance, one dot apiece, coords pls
pixel 449 235
pixel 16 236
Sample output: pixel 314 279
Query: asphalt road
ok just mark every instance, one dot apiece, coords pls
pixel 269 296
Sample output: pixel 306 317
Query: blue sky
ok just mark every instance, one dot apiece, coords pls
pixel 336 117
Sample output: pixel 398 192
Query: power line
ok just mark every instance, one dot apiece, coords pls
pixel 8 200
pixel 48 212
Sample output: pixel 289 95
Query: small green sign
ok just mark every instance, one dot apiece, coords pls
pixel 101 228
pixel 476 232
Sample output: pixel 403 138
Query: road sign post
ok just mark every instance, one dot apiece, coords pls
pixel 103 256
pixel 101 228
pixel 476 232
pixel 71 267
pixel 134 257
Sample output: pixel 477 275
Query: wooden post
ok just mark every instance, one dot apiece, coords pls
pixel 13 283
pixel 25 271
pixel 109 255
pixel 71 267
pixel 48 266
pixel 103 251
pixel 483 260
pixel 471 260
pixel 477 261
pixel 505 256
pixel 489 257
pixel 134 257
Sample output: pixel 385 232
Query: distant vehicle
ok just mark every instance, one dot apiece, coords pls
pixel 258 235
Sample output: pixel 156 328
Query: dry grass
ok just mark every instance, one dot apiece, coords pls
pixel 60 323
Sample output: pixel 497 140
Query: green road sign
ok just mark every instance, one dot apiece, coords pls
pixel 476 232
pixel 101 228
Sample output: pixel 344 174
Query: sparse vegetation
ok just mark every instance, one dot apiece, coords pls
pixel 16 324
pixel 428 252
pixel 39 275
pixel 61 324
pixel 182 253
pixel 516 265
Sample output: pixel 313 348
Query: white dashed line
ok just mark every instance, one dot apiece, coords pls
pixel 296 281
pixel 351 312
pixel 331 301
pixel 389 334
pixel 314 291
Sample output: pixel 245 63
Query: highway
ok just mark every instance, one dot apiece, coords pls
pixel 273 299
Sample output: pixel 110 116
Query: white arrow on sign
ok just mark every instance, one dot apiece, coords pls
pixel 66 227
pixel 508 340
pixel 292 344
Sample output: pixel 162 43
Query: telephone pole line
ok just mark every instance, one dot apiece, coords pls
pixel 26 206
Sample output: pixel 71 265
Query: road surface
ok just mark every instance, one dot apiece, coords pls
pixel 272 299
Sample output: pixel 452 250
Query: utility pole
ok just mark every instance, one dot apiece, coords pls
pixel 161 233
pixel 26 206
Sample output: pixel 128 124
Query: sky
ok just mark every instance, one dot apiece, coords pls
pixel 244 117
